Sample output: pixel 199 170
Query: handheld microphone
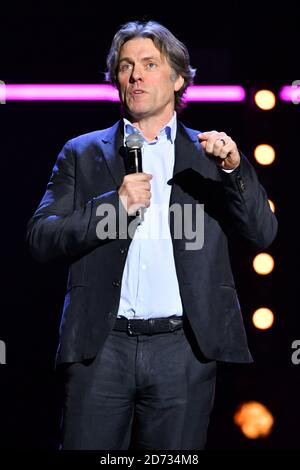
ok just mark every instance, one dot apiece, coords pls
pixel 134 144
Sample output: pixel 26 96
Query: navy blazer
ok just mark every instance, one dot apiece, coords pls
pixel 88 172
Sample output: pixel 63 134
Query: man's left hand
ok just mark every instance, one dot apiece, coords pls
pixel 221 146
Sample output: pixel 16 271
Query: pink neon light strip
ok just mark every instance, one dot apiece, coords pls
pixel 61 93
pixel 109 93
pixel 290 93
pixel 215 93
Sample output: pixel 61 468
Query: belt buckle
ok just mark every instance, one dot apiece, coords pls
pixel 129 329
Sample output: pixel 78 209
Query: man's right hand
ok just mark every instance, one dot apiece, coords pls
pixel 135 192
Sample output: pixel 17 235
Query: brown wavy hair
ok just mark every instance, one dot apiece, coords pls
pixel 174 50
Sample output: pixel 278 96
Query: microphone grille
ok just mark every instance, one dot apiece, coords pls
pixel 134 140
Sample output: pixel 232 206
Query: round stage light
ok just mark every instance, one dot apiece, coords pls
pixel 263 263
pixel 263 318
pixel 264 154
pixel 254 420
pixel 265 99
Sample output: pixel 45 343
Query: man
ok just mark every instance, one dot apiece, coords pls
pixel 146 318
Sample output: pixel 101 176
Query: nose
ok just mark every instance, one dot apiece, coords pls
pixel 136 74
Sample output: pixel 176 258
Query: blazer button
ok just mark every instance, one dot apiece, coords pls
pixel 123 250
pixel 241 183
pixel 116 283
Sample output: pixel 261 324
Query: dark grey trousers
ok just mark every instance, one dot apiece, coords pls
pixel 141 392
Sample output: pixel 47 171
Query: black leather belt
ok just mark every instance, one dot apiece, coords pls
pixel 148 327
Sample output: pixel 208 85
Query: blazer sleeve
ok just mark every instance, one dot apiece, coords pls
pixel 57 229
pixel 248 205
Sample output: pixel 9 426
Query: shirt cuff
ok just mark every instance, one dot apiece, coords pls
pixel 229 171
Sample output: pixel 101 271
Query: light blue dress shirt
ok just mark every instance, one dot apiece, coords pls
pixel 149 284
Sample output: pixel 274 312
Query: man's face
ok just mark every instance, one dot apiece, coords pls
pixel 145 80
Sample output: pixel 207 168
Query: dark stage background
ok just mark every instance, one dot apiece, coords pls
pixel 68 44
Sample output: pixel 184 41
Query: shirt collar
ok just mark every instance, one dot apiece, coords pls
pixel 169 130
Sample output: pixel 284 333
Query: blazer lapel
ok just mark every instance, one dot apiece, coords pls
pixel 184 149
pixel 189 157
pixel 111 143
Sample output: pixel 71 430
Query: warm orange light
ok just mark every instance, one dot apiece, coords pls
pixel 265 99
pixel 263 263
pixel 263 318
pixel 264 154
pixel 272 205
pixel 254 420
